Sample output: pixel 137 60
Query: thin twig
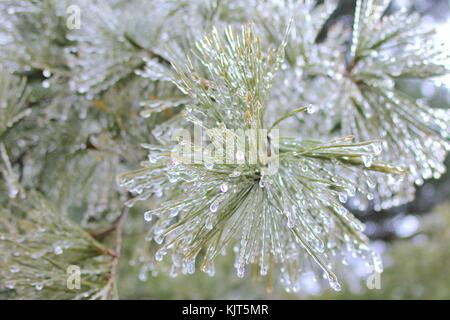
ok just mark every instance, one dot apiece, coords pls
pixel 104 232
pixel 117 249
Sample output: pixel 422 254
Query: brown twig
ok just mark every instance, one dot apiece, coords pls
pixel 104 232
pixel 117 249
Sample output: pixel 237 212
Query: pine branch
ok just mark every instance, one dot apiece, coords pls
pixel 76 104
pixel 212 205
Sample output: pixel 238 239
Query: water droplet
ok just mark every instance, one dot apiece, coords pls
pixel 173 178
pixel 311 109
pixel 46 73
pixel 261 183
pixel 37 255
pixel 224 187
pixel 334 284
pixel 57 250
pixel 342 197
pixel 210 269
pixel 370 183
pixel 12 191
pixel 159 238
pixel 240 156
pixel 377 148
pixel 10 285
pixel 160 254
pixel 235 174
pixel 367 160
pixel 264 269
pixel 152 159
pixel 143 276
pixel 240 271
pixel 351 191
pixel 209 223
pixel 148 216
pixel 290 222
pixel 214 207
pixel 159 193
pixel 14 269
pixel 190 266
pixel 174 213
pixel 39 286
pixel 173 272
pixel 45 84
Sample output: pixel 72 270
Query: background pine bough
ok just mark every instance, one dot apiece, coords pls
pixel 76 105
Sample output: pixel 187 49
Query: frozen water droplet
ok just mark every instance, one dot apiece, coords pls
pixel 264 270
pixel 10 285
pixel 214 207
pixel 210 269
pixel 83 89
pixel 143 276
pixel 240 157
pixel 173 272
pixel 261 183
pixel 370 183
pixel 173 179
pixel 148 216
pixel 37 255
pixel 159 239
pixel 235 174
pixel 160 254
pixel 367 160
pixel 152 159
pixel 334 284
pixel 190 266
pixel 342 197
pixel 46 73
pixel 173 213
pixel 45 84
pixel 351 191
pixel 311 109
pixel 240 271
pixel 159 193
pixel 209 223
pixel 377 148
pixel 224 187
pixel 12 191
pixel 290 222
pixel 57 250
pixel 14 269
